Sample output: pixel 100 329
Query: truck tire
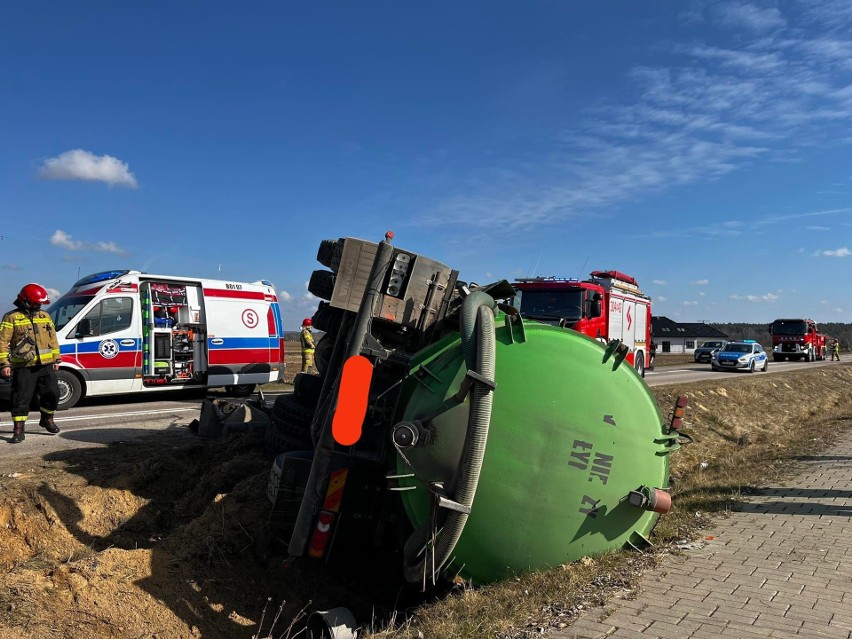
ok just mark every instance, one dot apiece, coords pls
pixel 329 254
pixel 321 284
pixel 278 440
pixel 640 363
pixel 306 388
pixel 327 318
pixel 323 352
pixel 70 389
pixel 293 418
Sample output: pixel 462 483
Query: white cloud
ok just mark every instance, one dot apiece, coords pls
pixel 88 167
pixel 841 252
pixel 284 296
pixel 659 282
pixel 701 293
pixel 53 293
pixel 64 240
pixel 817 228
pixel 11 267
pixel 756 299
pixel 690 303
pixel 719 106
pixel 701 282
pixel 749 16
pixel 660 298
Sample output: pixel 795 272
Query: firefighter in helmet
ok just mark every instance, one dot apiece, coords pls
pixel 835 349
pixel 307 340
pixel 29 354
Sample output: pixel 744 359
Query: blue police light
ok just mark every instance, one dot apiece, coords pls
pixel 749 341
pixel 100 277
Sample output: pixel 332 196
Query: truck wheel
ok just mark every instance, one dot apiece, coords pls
pixel 278 440
pixel 306 388
pixel 70 389
pixel 323 352
pixel 640 363
pixel 327 318
pixel 293 418
pixel 329 254
pixel 321 284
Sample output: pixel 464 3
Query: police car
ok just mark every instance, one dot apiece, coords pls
pixel 745 355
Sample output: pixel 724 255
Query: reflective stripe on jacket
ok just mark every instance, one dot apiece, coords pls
pixel 28 340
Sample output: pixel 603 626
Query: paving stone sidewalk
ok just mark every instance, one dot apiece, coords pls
pixel 780 568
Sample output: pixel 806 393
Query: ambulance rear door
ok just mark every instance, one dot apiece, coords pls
pixel 240 349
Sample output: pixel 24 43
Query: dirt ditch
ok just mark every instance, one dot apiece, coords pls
pixel 157 538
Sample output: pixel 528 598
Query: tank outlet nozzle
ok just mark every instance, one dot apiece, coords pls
pixel 408 434
pixel 654 499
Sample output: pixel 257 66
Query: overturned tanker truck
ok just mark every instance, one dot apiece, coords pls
pixel 447 428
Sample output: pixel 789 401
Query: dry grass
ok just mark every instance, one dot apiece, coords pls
pixel 747 434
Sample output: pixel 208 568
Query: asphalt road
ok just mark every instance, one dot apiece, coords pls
pixel 684 374
pixel 104 420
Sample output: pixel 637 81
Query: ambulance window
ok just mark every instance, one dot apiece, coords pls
pixel 111 315
pixel 65 309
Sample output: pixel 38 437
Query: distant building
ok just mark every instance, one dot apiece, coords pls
pixel 674 337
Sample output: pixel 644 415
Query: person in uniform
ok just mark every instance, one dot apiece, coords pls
pixel 29 354
pixel 308 346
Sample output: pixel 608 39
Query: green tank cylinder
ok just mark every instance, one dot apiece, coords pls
pixel 576 455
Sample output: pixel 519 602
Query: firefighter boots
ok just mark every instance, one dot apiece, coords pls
pixel 18 434
pixel 47 423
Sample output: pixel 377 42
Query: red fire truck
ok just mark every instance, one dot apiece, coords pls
pixel 607 306
pixel 796 339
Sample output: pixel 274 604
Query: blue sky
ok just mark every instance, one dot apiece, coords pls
pixel 702 147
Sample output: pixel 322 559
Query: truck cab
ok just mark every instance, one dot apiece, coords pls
pixel 607 306
pixel 796 338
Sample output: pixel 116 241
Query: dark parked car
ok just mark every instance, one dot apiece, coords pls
pixel 705 352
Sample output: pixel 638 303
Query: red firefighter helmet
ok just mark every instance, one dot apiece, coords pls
pixel 307 322
pixel 33 295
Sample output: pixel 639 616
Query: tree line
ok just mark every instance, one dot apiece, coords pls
pixel 760 332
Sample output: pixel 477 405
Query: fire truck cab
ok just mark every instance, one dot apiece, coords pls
pixel 608 305
pixel 797 338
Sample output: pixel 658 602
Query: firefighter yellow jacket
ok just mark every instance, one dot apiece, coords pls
pixel 28 340
pixel 307 341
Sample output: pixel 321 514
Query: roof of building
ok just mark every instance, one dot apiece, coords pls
pixel 663 327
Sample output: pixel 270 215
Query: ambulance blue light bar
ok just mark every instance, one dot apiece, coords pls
pixel 100 277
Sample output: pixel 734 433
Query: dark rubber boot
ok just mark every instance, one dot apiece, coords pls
pixel 18 435
pixel 47 423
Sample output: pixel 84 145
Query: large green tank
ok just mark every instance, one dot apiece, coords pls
pixel 576 455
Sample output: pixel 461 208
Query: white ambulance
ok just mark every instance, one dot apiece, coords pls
pixel 128 332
